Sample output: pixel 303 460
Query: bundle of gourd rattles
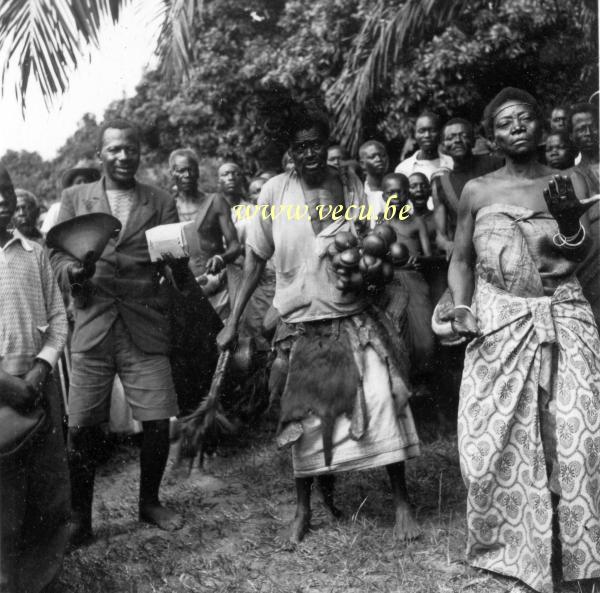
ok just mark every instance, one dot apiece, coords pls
pixel 366 262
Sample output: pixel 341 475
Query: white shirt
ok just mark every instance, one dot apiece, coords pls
pixel 305 281
pixel 428 167
pixel 375 201
pixel 51 218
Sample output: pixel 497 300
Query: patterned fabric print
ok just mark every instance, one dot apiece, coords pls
pixel 509 510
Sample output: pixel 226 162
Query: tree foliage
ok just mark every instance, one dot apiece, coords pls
pixel 521 43
pixel 29 171
pixel 452 60
pixel 47 38
pixel 461 54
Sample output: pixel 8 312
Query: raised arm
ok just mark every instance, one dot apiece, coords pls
pixel 568 202
pixel 460 271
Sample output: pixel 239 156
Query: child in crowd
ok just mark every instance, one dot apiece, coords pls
pixel 254 189
pixel 560 151
pixel 408 281
pixel 419 191
pixel 336 155
pixel 412 231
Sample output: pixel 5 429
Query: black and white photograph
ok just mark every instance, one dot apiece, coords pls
pixel 299 296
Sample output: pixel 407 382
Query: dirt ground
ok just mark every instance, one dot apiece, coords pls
pixel 236 508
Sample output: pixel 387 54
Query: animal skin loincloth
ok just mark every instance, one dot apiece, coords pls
pixel 319 370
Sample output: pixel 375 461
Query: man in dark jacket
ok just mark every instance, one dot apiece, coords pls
pixel 121 327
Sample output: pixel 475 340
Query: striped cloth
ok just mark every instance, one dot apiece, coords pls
pixel 120 202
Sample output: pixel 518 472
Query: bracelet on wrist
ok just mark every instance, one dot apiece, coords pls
pixel 575 240
pixel 465 307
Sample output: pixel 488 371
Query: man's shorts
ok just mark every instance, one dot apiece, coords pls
pixel 146 379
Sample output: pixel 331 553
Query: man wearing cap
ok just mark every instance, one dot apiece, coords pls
pixel 85 171
pixel 121 328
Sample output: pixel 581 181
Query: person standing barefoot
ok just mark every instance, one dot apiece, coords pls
pixel 528 400
pixel 120 328
pixel 340 370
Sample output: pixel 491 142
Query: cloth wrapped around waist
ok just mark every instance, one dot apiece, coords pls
pixel 319 371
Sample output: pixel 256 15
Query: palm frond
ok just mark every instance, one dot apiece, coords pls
pixel 47 38
pixel 384 39
pixel 176 36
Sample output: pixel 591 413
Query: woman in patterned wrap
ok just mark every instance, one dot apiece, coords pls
pixel 529 415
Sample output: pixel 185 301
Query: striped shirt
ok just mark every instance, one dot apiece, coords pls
pixel 120 202
pixel 33 323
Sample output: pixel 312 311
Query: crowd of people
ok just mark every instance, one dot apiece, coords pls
pixel 501 275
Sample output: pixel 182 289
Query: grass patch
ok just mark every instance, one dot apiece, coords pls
pixel 236 508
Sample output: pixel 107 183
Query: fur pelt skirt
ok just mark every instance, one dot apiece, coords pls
pixel 344 394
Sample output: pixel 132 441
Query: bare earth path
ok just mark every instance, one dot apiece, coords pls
pixel 234 511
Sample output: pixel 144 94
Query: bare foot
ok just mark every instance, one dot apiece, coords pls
pixel 406 527
pixel 299 527
pixel 80 534
pixel 333 510
pixel 161 516
pixel 326 484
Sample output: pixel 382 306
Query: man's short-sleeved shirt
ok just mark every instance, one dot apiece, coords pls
pixel 305 280
pixel 428 167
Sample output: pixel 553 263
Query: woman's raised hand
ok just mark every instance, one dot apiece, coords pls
pixel 564 205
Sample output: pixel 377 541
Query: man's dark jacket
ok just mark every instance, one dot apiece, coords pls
pixel 125 283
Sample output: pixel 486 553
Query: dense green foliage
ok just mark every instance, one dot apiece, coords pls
pixel 522 43
pixel 315 48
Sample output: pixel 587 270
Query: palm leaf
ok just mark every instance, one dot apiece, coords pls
pixel 384 39
pixel 176 36
pixel 47 39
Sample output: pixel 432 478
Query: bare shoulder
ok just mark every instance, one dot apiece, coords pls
pixel 475 192
pixel 218 204
pixel 413 224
